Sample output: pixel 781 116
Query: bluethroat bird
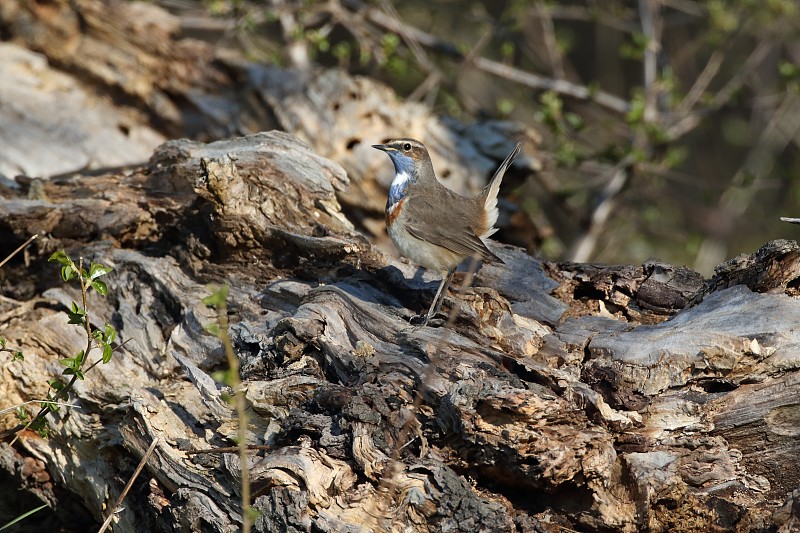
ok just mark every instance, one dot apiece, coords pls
pixel 432 225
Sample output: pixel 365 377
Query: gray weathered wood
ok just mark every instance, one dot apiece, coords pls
pixel 597 398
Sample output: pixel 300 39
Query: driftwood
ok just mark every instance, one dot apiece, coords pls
pixel 564 397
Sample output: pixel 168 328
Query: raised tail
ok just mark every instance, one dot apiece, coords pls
pixel 488 197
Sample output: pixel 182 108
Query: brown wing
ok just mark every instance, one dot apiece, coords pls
pixel 448 228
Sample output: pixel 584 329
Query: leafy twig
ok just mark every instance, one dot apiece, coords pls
pixel 79 316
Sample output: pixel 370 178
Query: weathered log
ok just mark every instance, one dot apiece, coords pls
pixel 564 395
pixel 164 84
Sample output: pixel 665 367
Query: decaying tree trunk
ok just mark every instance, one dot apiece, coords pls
pixel 564 396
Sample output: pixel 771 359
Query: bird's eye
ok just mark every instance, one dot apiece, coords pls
pixel 407 147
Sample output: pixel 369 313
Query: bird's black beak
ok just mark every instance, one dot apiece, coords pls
pixel 381 147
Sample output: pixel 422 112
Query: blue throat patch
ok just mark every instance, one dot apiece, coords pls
pixel 404 175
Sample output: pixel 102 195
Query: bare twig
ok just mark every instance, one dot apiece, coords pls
pixel 468 101
pixel 701 83
pixel 784 124
pixel 735 83
pixel 549 38
pixel 566 88
pixel 297 49
pixel 434 73
pixel 584 247
pixel 690 7
pixel 18 250
pixel 404 31
pixel 14 408
pixel 687 123
pixel 649 15
pixel 128 486
pixel 429 86
pixel 623 19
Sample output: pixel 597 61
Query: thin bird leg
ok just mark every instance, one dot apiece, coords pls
pixel 440 294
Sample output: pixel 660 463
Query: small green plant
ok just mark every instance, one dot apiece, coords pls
pixel 77 314
pixel 15 355
pixel 218 300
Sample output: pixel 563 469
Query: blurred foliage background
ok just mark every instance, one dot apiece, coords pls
pixel 670 127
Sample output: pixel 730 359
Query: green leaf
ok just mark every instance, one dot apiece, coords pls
pixel 40 427
pixel 60 257
pixel 217 299
pixel 76 315
pixel 97 270
pixel 68 272
pixel 68 268
pixel 73 364
pixel 108 351
pixel 50 405
pixel 111 333
pixel 78 373
pixel 389 43
pixel 56 385
pixel 2 342
pixel 505 106
pixel 253 513
pixel 575 121
pixel 23 517
pixel 636 113
pixel 100 287
pixel 17 356
pixel 342 51
pixel 507 50
pixel 222 376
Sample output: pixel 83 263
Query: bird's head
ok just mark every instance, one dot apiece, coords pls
pixel 410 157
